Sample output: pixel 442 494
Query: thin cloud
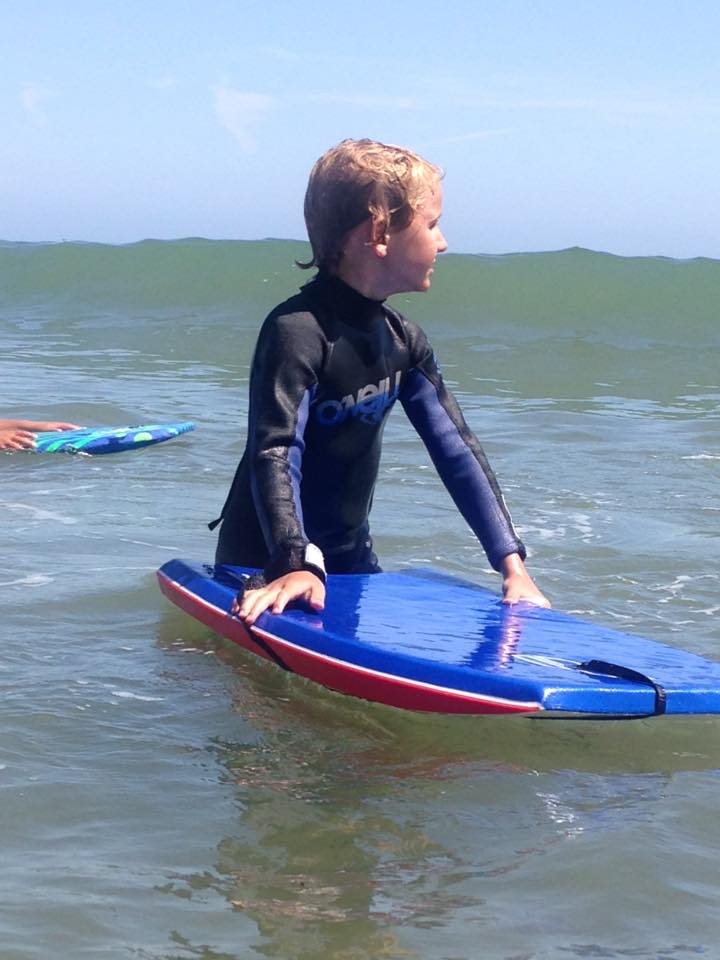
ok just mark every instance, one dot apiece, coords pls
pixel 587 104
pixel 168 82
pixel 280 53
pixel 239 111
pixel 33 97
pixel 465 137
pixel 618 105
pixel 367 100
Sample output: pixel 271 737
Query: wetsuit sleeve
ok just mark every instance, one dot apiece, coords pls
pixel 457 453
pixel 283 379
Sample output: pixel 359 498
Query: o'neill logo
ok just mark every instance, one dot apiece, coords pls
pixel 369 404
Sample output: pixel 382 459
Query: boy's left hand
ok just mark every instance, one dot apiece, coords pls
pixel 518 585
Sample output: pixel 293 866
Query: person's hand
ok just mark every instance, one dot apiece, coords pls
pixel 276 595
pixel 14 438
pixel 51 426
pixel 518 586
pixel 20 434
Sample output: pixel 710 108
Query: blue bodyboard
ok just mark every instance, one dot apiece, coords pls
pixel 101 440
pixel 421 640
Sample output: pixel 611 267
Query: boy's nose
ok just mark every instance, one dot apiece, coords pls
pixel 441 242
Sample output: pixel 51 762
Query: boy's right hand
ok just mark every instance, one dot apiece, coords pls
pixel 518 585
pixel 276 595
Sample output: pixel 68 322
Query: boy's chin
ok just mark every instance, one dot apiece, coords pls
pixel 423 285
pixel 419 286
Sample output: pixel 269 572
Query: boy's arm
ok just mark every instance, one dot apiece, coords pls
pixel 465 471
pixel 284 375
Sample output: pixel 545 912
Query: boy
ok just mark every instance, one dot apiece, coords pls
pixel 329 364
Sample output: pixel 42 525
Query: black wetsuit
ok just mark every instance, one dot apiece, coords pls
pixel 328 367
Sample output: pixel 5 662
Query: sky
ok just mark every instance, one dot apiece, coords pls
pixel 559 123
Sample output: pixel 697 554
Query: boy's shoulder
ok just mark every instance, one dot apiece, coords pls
pixel 299 309
pixel 307 302
pixel 300 302
pixel 400 318
pixel 408 329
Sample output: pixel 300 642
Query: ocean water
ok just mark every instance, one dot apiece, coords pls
pixel 166 797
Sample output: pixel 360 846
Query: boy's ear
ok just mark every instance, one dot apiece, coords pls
pixel 381 246
pixel 378 237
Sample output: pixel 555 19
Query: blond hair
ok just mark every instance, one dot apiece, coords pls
pixel 360 180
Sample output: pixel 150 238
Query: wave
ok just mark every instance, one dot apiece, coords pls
pixel 578 291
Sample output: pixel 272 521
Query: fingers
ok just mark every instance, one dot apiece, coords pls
pixel 25 440
pixel 255 602
pixel 519 587
pixel 17 440
pixel 536 598
pixel 316 595
pixel 275 596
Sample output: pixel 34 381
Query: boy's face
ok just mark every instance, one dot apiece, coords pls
pixel 411 252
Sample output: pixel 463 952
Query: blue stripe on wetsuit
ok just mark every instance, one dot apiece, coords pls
pixel 464 470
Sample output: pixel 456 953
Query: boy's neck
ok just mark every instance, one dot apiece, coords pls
pixel 361 281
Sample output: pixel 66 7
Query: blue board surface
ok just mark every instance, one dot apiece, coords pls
pixel 100 440
pixel 422 640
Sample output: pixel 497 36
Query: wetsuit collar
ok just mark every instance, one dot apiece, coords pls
pixel 350 305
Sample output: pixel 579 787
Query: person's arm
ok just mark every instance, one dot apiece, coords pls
pixel 284 374
pixel 20 434
pixel 465 471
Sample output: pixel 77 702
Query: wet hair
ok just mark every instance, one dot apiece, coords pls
pixel 360 180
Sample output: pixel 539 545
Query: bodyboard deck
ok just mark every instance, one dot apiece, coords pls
pixel 421 640
pixel 101 440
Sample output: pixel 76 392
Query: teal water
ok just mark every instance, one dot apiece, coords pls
pixel 164 796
